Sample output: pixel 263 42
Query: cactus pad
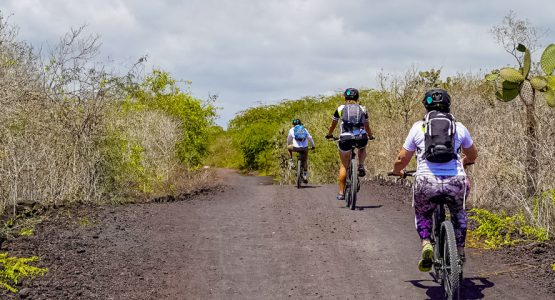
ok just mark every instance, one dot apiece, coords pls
pixel 539 83
pixel 511 74
pixel 547 60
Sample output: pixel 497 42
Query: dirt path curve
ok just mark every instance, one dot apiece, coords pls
pixel 252 240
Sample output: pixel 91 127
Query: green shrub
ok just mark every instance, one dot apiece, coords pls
pixel 15 269
pixel 499 230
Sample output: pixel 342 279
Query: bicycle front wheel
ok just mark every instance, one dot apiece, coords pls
pixel 299 174
pixel 354 184
pixel 450 262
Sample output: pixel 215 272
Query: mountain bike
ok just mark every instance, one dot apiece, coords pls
pixel 352 183
pixel 447 265
pixel 299 171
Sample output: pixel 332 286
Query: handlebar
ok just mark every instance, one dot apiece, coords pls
pixel 333 138
pixel 405 174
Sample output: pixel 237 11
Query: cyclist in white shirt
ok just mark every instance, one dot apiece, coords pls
pixel 297 141
pixel 438 178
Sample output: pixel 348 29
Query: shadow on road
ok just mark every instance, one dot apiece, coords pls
pixel 310 186
pixel 472 288
pixel 363 207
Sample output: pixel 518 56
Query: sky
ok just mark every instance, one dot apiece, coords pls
pixel 252 52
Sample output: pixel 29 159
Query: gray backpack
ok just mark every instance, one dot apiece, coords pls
pixel 352 117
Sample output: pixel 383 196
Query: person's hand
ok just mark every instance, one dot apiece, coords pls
pixel 371 137
pixel 329 136
pixel 400 173
pixel 312 148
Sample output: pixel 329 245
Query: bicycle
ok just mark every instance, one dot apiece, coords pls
pixel 299 172
pixel 447 265
pixel 352 184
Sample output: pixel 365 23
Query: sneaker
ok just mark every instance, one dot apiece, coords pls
pixel 340 197
pixel 305 177
pixel 361 172
pixel 425 264
pixel 291 163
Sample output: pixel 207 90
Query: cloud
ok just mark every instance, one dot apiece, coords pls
pixel 249 51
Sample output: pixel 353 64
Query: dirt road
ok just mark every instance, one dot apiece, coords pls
pixel 252 240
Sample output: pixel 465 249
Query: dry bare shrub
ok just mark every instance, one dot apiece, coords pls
pixel 55 120
pixel 139 154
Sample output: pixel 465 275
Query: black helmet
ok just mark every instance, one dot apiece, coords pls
pixel 351 94
pixel 296 122
pixel 437 99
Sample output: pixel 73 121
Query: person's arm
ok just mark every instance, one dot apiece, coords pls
pixel 289 138
pixel 402 161
pixel 311 141
pixel 367 128
pixel 470 155
pixel 407 151
pixel 332 128
pixel 468 148
pixel 366 124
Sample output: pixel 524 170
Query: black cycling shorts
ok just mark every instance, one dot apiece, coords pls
pixel 359 142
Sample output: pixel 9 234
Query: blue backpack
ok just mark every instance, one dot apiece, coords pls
pixel 300 133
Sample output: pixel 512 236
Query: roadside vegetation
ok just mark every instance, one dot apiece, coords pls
pixel 74 131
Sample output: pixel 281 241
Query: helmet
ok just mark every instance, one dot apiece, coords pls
pixel 437 99
pixel 296 122
pixel 351 94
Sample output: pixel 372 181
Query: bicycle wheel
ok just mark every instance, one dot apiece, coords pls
pixel 354 184
pixel 347 191
pixel 437 218
pixel 450 262
pixel 299 174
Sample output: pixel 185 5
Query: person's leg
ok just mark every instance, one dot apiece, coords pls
pixel 361 144
pixel 424 189
pixel 304 158
pixel 290 150
pixel 345 157
pixel 458 188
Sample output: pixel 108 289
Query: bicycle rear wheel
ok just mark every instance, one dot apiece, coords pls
pixel 354 184
pixel 299 174
pixel 437 218
pixel 450 280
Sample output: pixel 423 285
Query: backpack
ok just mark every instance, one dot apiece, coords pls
pixel 300 133
pixel 352 116
pixel 439 137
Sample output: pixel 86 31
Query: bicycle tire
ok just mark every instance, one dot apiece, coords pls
pixel 299 174
pixel 450 262
pixel 354 184
pixel 437 218
pixel 347 191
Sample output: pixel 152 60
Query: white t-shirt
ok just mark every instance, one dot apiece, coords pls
pixel 296 143
pixel 415 142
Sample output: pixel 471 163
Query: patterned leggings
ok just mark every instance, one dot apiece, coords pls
pixel 426 187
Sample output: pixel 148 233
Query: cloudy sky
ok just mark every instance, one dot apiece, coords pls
pixel 250 52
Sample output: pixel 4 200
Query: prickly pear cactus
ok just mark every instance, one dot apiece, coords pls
pixel 510 80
